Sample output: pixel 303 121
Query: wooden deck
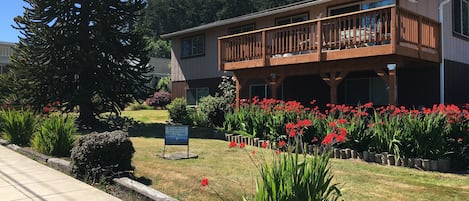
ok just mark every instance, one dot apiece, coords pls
pixel 383 31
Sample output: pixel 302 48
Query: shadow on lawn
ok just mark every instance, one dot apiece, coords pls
pixel 157 130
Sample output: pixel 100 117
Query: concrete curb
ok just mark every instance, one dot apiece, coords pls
pixel 142 189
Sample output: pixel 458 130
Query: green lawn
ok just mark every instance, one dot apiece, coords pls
pixel 232 173
pixel 148 116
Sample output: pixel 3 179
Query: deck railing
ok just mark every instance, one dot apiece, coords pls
pixel 389 25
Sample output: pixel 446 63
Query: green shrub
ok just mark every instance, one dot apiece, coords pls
pixel 178 110
pixel 18 126
pixel 102 155
pixel 214 107
pixel 197 117
pixel 55 136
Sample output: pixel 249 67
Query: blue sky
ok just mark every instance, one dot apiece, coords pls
pixel 8 10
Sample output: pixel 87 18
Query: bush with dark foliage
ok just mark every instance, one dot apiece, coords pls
pixel 102 155
pixel 159 99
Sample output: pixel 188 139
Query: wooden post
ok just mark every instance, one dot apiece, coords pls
pixel 333 87
pixel 419 32
pixel 264 48
pixel 394 28
pixel 319 36
pixel 392 87
pixel 220 55
pixel 238 90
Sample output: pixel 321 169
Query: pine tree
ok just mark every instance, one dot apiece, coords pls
pixel 83 53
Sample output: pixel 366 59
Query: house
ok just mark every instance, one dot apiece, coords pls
pixel 6 50
pixel 405 52
pixel 160 69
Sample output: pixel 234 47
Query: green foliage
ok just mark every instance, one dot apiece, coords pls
pixel 160 48
pixel 18 126
pixel 139 106
pixel 99 155
pixel 292 177
pixel 228 91
pixel 214 107
pixel 197 117
pixel 178 111
pixel 55 136
pixel 163 84
pixel 89 58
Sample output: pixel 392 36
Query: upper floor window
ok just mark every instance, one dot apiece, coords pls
pixel 241 29
pixel 338 10
pixel 461 17
pixel 193 46
pixel 291 19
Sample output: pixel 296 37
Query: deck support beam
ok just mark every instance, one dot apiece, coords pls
pixel 333 79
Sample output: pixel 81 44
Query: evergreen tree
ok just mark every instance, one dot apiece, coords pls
pixel 82 53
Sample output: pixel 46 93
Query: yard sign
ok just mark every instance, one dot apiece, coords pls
pixel 176 135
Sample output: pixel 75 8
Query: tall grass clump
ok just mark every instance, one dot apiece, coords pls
pixel 294 176
pixel 55 136
pixel 18 126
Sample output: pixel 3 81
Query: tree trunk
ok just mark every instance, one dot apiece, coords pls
pixel 87 117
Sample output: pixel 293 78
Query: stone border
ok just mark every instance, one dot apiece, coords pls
pixel 65 167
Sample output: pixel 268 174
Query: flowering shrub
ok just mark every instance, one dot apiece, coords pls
pixel 159 99
pixel 436 132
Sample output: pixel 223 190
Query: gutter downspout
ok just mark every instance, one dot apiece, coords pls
pixel 442 64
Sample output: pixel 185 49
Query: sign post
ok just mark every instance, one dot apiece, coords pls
pixel 176 135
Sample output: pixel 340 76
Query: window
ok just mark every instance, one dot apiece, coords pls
pixel 461 17
pixel 363 90
pixel 291 19
pixel 241 29
pixel 264 91
pixel 193 46
pixel 3 69
pixel 193 95
pixel 357 7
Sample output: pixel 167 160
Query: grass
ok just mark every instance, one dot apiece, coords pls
pixel 148 116
pixel 232 174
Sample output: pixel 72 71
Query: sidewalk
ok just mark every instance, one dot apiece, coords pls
pixel 22 178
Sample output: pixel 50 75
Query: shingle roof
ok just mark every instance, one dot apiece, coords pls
pixel 251 16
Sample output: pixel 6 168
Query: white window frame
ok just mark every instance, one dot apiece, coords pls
pixel 242 28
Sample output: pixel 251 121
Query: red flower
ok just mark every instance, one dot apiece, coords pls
pixel 329 139
pixel 46 109
pixel 282 144
pixel 332 124
pixel 264 144
pixel 342 121
pixel 368 105
pixel 242 145
pixel 460 140
pixel 343 132
pixel 204 182
pixel 313 102
pixel 232 144
pixel 340 138
pixel 292 133
pixel 315 139
pixel 253 152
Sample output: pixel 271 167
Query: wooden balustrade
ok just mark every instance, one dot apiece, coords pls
pixel 369 28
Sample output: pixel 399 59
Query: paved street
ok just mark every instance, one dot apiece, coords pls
pixel 24 179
